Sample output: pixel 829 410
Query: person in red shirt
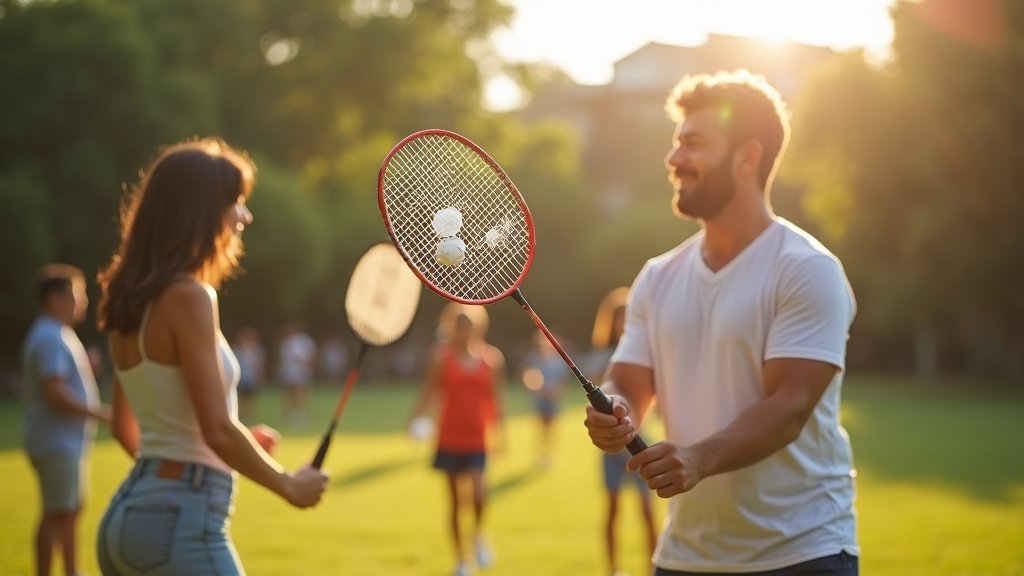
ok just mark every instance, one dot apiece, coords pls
pixel 464 374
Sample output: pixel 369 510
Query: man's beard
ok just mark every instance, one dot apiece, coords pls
pixel 708 196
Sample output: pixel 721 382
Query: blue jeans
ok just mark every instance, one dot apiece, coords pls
pixel 841 564
pixel 169 518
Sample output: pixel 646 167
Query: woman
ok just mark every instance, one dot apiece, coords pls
pixel 464 374
pixel 609 324
pixel 174 405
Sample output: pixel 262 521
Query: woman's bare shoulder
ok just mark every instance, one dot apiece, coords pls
pixel 186 296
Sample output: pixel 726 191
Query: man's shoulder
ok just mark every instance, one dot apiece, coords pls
pixel 798 243
pixel 44 330
pixel 677 254
pixel 800 250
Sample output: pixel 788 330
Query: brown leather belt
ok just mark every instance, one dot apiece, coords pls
pixel 171 469
pixel 190 472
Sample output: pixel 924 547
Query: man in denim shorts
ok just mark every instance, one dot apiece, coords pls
pixel 61 405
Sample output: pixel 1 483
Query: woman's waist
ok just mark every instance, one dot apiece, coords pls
pixel 181 448
pixel 195 474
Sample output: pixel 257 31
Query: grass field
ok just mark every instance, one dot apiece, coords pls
pixel 940 491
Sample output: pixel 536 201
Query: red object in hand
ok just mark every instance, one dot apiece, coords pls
pixel 266 436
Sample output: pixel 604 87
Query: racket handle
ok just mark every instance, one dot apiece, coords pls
pixel 598 399
pixel 325 443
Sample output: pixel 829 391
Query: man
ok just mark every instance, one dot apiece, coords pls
pixel 61 405
pixel 740 334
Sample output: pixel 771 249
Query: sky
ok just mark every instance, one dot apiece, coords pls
pixel 586 37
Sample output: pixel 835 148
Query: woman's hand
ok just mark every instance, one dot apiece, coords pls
pixel 304 487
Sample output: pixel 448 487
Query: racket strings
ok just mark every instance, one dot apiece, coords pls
pixel 435 172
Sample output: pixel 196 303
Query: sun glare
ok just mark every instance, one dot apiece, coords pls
pixel 835 23
pixel 586 37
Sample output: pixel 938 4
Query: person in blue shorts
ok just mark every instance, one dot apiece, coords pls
pixel 545 374
pixel 608 327
pixel 61 408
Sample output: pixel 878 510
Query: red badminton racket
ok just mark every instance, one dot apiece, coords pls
pixel 464 229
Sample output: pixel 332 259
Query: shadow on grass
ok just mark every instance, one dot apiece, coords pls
pixel 374 471
pixel 964 436
pixel 512 482
pixel 376 407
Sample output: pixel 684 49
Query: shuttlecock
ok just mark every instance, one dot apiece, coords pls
pixel 421 428
pixel 450 252
pixel 493 237
pixel 447 222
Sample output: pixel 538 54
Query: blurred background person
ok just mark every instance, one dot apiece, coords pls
pixel 609 324
pixel 333 356
pixel 61 406
pixel 464 376
pixel 544 373
pixel 252 364
pixel 295 364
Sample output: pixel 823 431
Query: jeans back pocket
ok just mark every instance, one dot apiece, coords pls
pixel 147 534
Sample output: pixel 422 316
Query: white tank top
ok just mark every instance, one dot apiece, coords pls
pixel 160 401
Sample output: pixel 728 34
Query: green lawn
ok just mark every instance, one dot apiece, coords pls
pixel 941 491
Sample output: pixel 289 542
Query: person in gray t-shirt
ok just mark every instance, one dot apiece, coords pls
pixel 61 406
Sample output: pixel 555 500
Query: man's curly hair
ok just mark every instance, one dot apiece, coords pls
pixel 749 108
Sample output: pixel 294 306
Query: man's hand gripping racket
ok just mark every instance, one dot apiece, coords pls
pixel 464 229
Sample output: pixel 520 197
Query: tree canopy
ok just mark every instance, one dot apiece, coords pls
pixel 913 172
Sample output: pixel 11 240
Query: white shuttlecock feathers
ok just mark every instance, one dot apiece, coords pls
pixel 493 238
pixel 447 222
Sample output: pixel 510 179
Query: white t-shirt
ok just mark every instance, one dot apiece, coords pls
pixel 706 336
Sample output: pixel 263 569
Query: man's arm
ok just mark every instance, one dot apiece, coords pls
pixel 793 388
pixel 58 397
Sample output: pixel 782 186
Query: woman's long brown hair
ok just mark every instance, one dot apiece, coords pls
pixel 173 224
pixel 603 335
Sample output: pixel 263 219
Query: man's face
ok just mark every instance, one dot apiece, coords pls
pixel 70 305
pixel 700 166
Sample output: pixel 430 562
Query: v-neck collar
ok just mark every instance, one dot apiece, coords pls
pixel 710 275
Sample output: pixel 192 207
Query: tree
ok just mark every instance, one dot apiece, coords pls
pixel 912 172
pixel 83 107
pixel 316 90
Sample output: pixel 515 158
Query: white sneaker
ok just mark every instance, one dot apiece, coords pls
pixel 484 553
pixel 462 569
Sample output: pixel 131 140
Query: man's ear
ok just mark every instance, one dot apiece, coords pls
pixel 747 160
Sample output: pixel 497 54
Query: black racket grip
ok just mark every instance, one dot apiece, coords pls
pixel 321 452
pixel 598 399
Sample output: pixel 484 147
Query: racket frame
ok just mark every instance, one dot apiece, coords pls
pixel 381 176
